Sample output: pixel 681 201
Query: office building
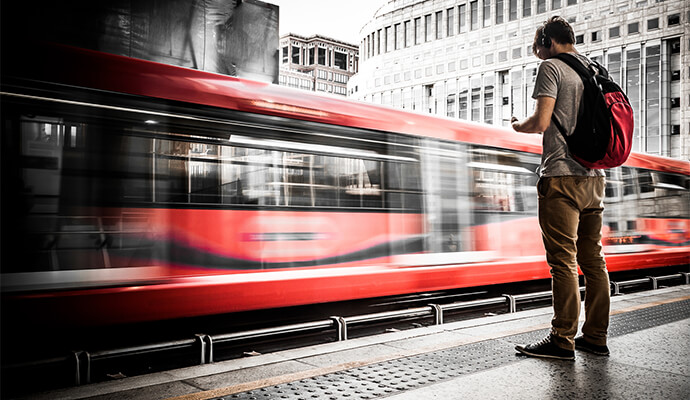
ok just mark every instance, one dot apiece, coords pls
pixel 317 63
pixel 473 59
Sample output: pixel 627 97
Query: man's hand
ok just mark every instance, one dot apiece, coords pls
pixel 540 120
pixel 513 120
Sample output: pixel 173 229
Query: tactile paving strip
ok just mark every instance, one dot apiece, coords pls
pixel 394 376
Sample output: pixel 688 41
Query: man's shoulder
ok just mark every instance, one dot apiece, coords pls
pixel 558 63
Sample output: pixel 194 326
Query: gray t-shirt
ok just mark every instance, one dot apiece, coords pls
pixel 557 80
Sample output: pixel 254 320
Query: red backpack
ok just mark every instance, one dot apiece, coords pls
pixel 604 129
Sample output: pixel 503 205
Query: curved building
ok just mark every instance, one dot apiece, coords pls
pixel 472 59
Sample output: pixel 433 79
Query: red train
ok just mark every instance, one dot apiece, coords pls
pixel 136 191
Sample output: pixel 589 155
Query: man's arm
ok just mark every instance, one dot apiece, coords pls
pixel 540 120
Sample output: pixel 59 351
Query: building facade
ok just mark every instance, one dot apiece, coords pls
pixel 317 63
pixel 472 59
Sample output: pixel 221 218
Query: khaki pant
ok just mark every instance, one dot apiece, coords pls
pixel 570 216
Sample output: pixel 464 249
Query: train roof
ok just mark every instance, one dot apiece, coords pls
pixel 102 71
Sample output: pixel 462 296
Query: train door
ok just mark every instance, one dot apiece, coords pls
pixel 446 203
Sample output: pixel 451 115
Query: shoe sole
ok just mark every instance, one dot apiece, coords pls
pixel 592 351
pixel 526 352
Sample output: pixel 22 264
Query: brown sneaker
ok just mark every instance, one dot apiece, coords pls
pixel 583 345
pixel 545 348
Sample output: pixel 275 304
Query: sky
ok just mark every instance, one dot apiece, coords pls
pixel 337 19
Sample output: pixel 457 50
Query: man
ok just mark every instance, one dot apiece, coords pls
pixel 570 204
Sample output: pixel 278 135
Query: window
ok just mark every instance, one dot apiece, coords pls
pixel 408 34
pixel 340 60
pixel 285 54
pixel 555 4
pixel 450 22
pixel 541 6
pixel 653 24
pixel 628 184
pixel 378 42
pixel 513 9
pixel 487 13
pixel 673 19
pixel 646 181
pixel 614 66
pixel 439 24
pixel 474 15
pixel 517 53
pixel 675 102
pixel 652 87
pixel 632 89
pixel 579 39
pixel 462 104
pixel 633 28
pixel 295 54
pixel 489 104
pixel 614 32
pixel 462 18
pixel 450 106
pixel 526 8
pixel 596 36
pixel 399 38
pixel 502 181
pixel 499 11
pixel 322 56
pixel 389 39
pixel 418 30
pixel 675 46
pixel 570 2
pixel 475 102
pixel 428 28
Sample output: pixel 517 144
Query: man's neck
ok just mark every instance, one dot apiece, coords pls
pixel 563 48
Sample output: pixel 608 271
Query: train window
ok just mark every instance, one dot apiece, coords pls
pixel 504 181
pixel 614 185
pixel 670 184
pixel 403 186
pixel 645 180
pixel 42 139
pixel 671 195
pixel 72 160
pixel 628 181
pixel 660 195
pixel 276 176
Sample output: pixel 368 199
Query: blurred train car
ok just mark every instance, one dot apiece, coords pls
pixel 136 191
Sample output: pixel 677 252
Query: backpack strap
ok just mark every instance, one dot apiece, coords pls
pixel 584 73
pixel 572 61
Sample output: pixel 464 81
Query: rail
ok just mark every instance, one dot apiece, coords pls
pixel 204 344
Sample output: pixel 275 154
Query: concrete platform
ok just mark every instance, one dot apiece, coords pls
pixel 475 359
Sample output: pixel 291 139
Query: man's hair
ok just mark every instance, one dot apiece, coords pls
pixel 555 29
